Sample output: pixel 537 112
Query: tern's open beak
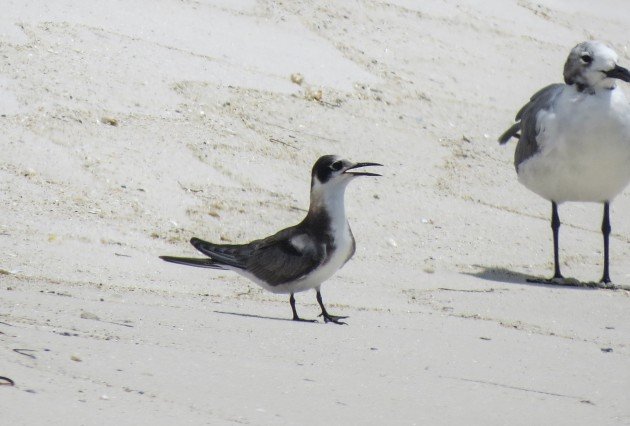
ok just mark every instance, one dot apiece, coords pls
pixel 618 72
pixel 357 165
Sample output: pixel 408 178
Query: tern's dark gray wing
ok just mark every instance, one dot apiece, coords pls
pixel 224 254
pixel 283 257
pixel 527 122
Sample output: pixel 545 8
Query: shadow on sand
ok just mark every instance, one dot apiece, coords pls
pixel 238 314
pixel 498 274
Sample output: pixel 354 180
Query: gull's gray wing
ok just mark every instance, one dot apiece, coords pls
pixel 527 122
pixel 281 258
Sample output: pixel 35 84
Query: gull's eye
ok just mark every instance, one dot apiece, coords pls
pixel 587 59
pixel 336 166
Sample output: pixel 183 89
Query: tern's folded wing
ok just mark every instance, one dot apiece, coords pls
pixel 284 258
pixel 226 254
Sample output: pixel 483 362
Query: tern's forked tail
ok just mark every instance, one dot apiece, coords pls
pixel 191 261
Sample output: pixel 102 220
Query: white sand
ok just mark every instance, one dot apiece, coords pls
pixel 214 140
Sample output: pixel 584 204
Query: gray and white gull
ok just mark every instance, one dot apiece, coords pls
pixel 574 139
pixel 300 257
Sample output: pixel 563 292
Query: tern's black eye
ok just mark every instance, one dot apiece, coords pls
pixel 587 59
pixel 336 166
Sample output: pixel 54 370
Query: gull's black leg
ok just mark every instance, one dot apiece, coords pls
pixel 606 232
pixel 555 226
pixel 295 315
pixel 325 314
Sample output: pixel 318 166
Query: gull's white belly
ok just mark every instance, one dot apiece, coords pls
pixel 584 152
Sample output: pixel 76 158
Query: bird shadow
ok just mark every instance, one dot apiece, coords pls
pixel 239 314
pixel 504 275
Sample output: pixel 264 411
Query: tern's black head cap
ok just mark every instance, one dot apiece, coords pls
pixel 326 166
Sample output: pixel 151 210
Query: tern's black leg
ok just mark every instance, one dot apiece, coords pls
pixel 606 232
pixel 325 314
pixel 295 315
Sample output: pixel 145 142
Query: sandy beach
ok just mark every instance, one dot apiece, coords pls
pixel 130 127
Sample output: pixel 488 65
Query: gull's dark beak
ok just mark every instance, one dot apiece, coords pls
pixel 357 165
pixel 618 72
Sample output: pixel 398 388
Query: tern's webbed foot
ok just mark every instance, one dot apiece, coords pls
pixel 332 318
pixel 295 315
pixel 327 317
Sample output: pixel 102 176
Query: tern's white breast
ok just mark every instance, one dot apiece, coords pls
pixel 343 247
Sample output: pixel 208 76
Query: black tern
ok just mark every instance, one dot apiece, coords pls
pixel 300 257
pixel 574 138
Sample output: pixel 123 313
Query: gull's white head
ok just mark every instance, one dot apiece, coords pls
pixel 592 65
